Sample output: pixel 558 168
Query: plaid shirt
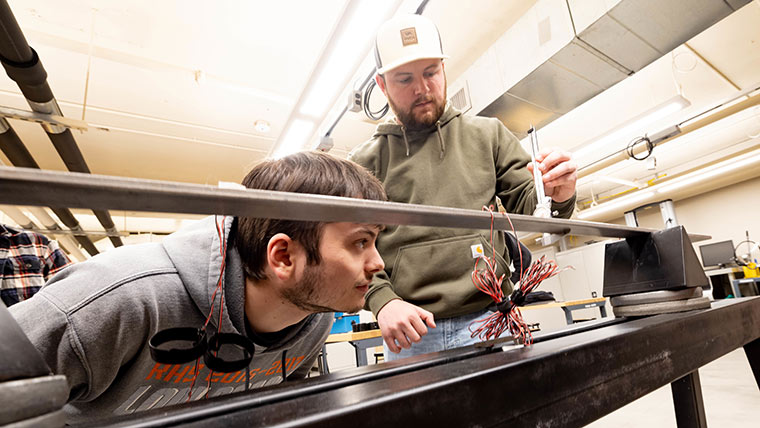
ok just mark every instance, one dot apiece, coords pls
pixel 27 260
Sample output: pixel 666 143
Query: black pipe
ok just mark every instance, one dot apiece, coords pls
pixel 71 222
pixel 14 148
pixel 17 153
pixel 23 66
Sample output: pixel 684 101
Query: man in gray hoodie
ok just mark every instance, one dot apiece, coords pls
pixel 432 154
pixel 273 281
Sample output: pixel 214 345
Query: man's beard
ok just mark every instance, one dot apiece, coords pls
pixel 305 293
pixel 407 118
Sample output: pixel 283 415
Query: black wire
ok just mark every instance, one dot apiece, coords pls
pixel 377 115
pixel 284 371
pixel 634 143
pixel 374 115
pixel 421 7
pixel 746 241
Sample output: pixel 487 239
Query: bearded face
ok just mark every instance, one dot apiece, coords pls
pixel 422 113
pixel 416 92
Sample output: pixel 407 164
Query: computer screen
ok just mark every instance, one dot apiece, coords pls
pixel 719 253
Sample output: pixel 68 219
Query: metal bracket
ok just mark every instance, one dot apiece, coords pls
pixel 43 119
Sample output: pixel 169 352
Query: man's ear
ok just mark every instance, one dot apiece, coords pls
pixel 380 80
pixel 283 254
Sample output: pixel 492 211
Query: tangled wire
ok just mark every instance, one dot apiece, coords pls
pixel 508 315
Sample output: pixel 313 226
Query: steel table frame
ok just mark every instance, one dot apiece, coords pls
pixel 568 381
pixel 736 285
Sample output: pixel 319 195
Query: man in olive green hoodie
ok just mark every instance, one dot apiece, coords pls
pixel 431 154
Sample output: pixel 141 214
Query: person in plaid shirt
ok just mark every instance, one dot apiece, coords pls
pixel 27 260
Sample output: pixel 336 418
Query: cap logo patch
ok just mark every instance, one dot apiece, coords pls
pixel 409 36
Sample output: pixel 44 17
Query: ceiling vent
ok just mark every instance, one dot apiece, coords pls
pixel 461 99
pixel 577 54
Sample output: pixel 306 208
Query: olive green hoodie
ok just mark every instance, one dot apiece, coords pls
pixel 460 162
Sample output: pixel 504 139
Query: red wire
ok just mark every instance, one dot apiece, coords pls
pixel 223 253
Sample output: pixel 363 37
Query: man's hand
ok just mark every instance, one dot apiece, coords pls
pixel 402 323
pixel 558 171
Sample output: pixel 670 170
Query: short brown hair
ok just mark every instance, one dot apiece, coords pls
pixel 303 172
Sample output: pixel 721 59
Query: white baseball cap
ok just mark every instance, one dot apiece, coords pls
pixel 404 39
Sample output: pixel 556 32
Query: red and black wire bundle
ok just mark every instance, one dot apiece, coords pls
pixel 508 315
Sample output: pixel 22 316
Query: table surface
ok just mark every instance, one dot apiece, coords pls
pixel 723 271
pixel 593 301
pixel 369 334
pixel 352 336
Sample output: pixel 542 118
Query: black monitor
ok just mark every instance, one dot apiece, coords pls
pixel 717 254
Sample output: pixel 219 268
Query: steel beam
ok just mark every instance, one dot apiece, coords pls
pixel 21 186
pixel 568 381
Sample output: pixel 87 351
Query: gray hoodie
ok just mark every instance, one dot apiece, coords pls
pixel 93 320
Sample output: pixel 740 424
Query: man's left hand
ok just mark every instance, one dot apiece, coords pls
pixel 559 173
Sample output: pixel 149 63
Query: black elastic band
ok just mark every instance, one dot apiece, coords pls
pixel 196 336
pixel 217 364
pixel 505 306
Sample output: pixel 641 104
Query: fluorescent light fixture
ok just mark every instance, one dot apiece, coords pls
pixel 341 60
pixel 348 45
pixel 710 172
pixel 692 178
pixel 295 137
pixel 621 202
pixel 613 139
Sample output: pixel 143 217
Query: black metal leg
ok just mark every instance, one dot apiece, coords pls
pixel 322 361
pixel 752 349
pixel 357 355
pixel 568 315
pixel 687 400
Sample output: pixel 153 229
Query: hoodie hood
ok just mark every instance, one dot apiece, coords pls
pixel 191 244
pixel 391 128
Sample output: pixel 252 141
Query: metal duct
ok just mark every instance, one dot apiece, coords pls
pixel 19 156
pixel 628 37
pixel 24 67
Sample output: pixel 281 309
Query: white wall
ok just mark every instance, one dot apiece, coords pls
pixel 724 214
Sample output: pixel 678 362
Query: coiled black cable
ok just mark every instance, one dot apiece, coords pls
pixel 374 115
pixel 629 148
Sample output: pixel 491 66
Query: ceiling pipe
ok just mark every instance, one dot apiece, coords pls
pixel 18 216
pixel 66 241
pixel 23 66
pixel 18 154
pixel 641 147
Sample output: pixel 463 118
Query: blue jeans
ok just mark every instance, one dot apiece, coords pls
pixel 450 333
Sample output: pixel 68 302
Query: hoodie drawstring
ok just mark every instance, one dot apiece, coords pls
pixel 438 132
pixel 440 139
pixel 406 142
